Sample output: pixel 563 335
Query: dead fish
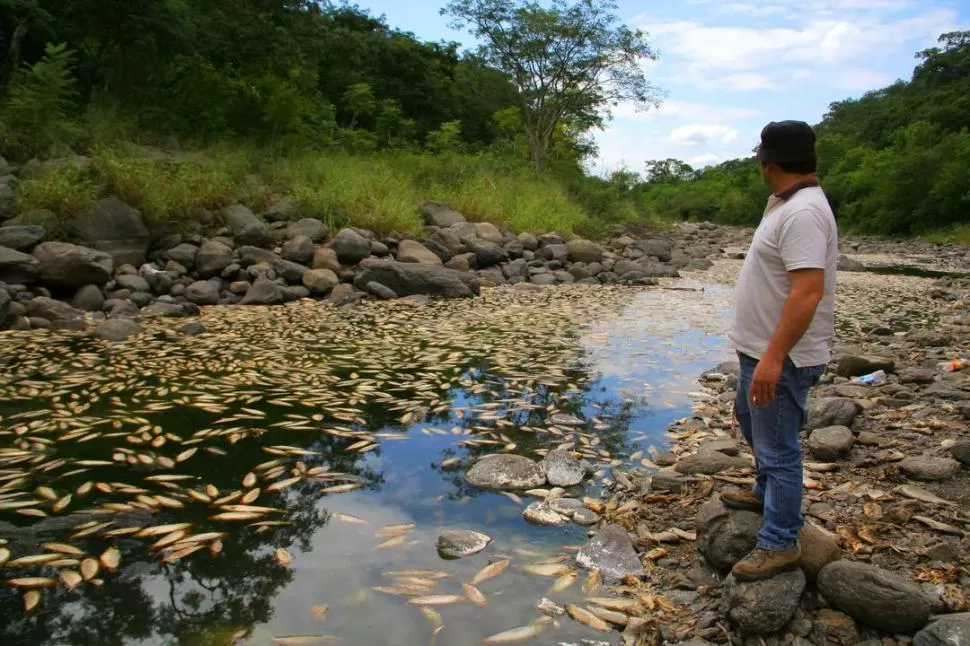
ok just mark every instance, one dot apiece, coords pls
pixel 395 530
pixel 283 557
pixel 236 515
pixel 70 578
pixel 347 518
pixel 343 488
pixel 110 558
pixel 158 530
pixel 474 595
pixel 63 548
pixel 437 600
pixel 33 559
pixel 32 582
pixel 515 635
pixel 564 582
pixel 182 553
pixel 546 569
pixel 585 617
pixel 611 616
pixel 4 555
pixel 31 600
pixel 319 610
pixel 392 542
pixel 89 569
pixel 283 484
pixel 613 603
pixel 922 495
pixel 306 640
pixel 491 570
pixel 938 526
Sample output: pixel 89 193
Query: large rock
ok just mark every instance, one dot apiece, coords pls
pixel 8 201
pixel 350 246
pixel 611 552
pixel 21 238
pixel 414 251
pixel 250 255
pixel 117 329
pixel 246 227
pixel 5 301
pixel 831 443
pixel 203 292
pixel 212 258
pixel 263 292
pixel 659 249
pixel 504 472
pixel 67 265
pixel 948 630
pixel 924 467
pixel 309 227
pixel 562 468
pixel 160 282
pixel 961 451
pixel 584 251
pixel 486 253
pixel 834 628
pixel 133 283
pixel 528 241
pixel 408 279
pixel 320 281
pixel 850 264
pixel 324 258
pixel 874 597
pixel 17 267
pixel 710 463
pixel 459 543
pixel 541 513
pixel 298 249
pixel 116 229
pixel 61 315
pixel 832 411
pixel 488 232
pixel 855 365
pixel 290 271
pixel 440 215
pixel 184 254
pixel 763 607
pixel 344 295
pixel 161 309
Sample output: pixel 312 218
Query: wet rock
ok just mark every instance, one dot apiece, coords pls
pixel 440 215
pixel 298 250
pixel 212 258
pixel 929 468
pixel 709 463
pixel 669 480
pixel 68 265
pixel 406 279
pixel 665 459
pixel 584 251
pixel 541 513
pixel 833 628
pixel 831 443
pixel 562 468
pixel 21 238
pixel 203 292
pixel 88 299
pixel 506 472
pixel 585 517
pixel 311 228
pixel 856 366
pixel 611 552
pixel 320 281
pixel 569 421
pixel 875 597
pixel 763 607
pixel 832 411
pixel 263 292
pixel 550 608
pixel 117 329
pixel 414 251
pixel 192 329
pixel 459 543
pixel 246 227
pixel 17 267
pixel 948 630
pixel 60 315
pixel 239 287
pixel 350 246
pixel 344 295
pixel 114 228
pixel 161 309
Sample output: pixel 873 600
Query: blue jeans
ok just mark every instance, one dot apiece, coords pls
pixel 773 434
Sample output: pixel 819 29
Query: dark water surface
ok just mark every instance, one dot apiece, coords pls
pixel 418 383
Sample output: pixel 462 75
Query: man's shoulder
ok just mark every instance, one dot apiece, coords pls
pixel 812 198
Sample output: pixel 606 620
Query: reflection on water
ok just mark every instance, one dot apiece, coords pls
pixel 339 424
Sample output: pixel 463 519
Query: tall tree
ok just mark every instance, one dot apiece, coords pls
pixel 570 62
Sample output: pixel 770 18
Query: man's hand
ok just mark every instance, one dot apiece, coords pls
pixel 766 377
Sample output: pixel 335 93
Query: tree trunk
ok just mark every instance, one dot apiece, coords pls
pixel 13 52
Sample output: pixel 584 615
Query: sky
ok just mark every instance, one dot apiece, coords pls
pixel 729 67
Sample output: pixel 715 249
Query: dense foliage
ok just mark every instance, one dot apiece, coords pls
pixel 895 161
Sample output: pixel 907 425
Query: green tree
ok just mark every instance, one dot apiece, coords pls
pixel 569 62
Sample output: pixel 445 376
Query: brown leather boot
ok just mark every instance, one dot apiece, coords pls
pixel 742 499
pixel 763 564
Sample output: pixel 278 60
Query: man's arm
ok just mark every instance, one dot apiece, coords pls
pixel 807 289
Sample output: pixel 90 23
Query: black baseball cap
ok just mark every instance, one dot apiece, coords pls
pixel 787 141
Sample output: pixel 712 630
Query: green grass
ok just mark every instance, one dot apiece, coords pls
pixel 959 234
pixel 65 192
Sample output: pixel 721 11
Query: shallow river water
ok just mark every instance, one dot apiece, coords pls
pixel 337 438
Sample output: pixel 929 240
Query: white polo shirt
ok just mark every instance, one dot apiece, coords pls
pixel 795 233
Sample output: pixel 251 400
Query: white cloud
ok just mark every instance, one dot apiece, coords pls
pixel 695 134
pixel 708 159
pixel 692 111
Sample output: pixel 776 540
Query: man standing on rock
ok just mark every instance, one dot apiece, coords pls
pixel 784 321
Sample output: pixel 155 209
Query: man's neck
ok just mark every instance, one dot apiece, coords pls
pixel 788 185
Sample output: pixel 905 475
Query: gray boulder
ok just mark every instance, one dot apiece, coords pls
pixel 541 513
pixel 133 282
pixel 117 329
pixel 21 238
pixel 382 292
pixel 8 201
pixel 528 241
pixel 553 252
pixel 414 251
pixel 850 264
pixel 763 607
pixel 263 292
pixel 961 451
pixel 928 468
pixel 88 299
pixel 659 249
pixel 611 552
pixel 204 292
pixel 459 543
pixel 502 471
pixel 160 282
pixel 67 265
pixel 562 469
pixel 289 271
pixel 948 630
pixel 855 365
pixel 17 267
pixel 831 443
pixel 161 309
pixel 407 279
pixel 344 295
pixel 320 281
pixel 116 229
pixel 440 215
pixel 486 253
pixel 832 411
pixel 350 246
pixel 298 249
pixel 61 315
pixel 874 597
pixel 309 227
pixel 584 251
pixel 709 463
pixel 488 232
pixel 324 258
pixel 5 302
pixel 245 226
pixel 250 255
pixel 184 254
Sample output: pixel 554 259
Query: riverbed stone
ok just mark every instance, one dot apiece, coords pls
pixel 68 265
pixel 212 258
pixel 763 607
pixel 440 215
pixel 834 628
pixel 506 472
pixel 133 282
pixel 298 249
pixel 459 543
pixel 161 309
pixel 312 228
pixel 851 365
pixel 487 254
pixel 946 630
pixel 562 468
pixel 831 443
pixel 832 411
pixel 488 232
pixel 263 292
pixel 584 251
pixel 184 254
pixel 541 513
pixel 247 228
pixel 406 279
pixel 88 298
pixel 17 267
pixel 929 468
pixel 611 552
pixel 874 597
pixel 320 281
pixel 117 329
pixel 350 246
pixel 21 238
pixel 113 227
pixel 921 376
pixel 414 251
pixel 961 452
pixel 60 315
pixel 709 463
pixel 203 292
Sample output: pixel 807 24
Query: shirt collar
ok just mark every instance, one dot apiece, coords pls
pixel 789 192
